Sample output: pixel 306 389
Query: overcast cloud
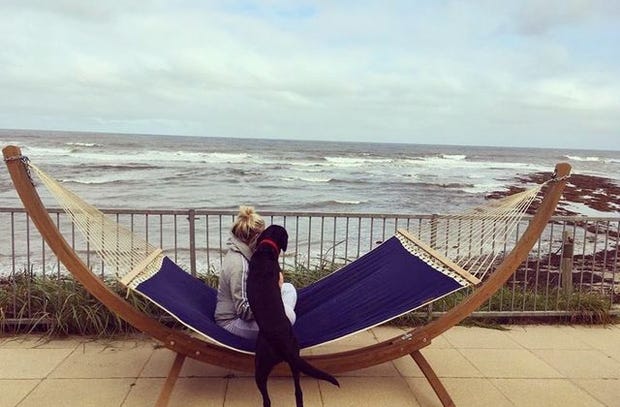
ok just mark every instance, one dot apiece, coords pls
pixel 519 73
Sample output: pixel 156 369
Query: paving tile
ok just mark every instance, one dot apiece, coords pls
pixel 195 368
pixel 445 363
pixel 604 338
pixel 67 343
pixel 198 392
pixel 30 363
pixel 20 341
pixel 479 338
pixel 368 391
pixel 607 391
pixel 161 360
pixel 121 342
pixel 600 337
pixel 79 392
pixel 440 342
pixel 13 391
pixel 383 369
pixel 547 393
pixel 591 364
pixel 509 363
pixel 144 392
pixel 360 340
pixel 613 352
pixel 243 392
pixel 465 392
pixel 188 392
pixel 40 342
pixel 547 337
pixel 105 359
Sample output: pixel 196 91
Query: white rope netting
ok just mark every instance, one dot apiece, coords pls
pixel 122 251
pixel 474 240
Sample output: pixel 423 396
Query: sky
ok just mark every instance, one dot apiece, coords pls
pixel 481 72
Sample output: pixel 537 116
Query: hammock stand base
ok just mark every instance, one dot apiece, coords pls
pixel 185 345
pixel 416 355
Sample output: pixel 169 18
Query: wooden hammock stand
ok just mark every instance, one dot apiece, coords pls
pixel 185 345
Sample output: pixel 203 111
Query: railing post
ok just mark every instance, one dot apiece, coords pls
pixel 433 237
pixel 191 217
pixel 433 242
pixel 566 263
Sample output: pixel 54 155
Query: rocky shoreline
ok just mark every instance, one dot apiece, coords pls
pixel 598 193
pixel 596 269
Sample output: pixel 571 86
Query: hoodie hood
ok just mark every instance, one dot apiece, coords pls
pixel 237 245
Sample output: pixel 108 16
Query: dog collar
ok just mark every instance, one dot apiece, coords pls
pixel 272 244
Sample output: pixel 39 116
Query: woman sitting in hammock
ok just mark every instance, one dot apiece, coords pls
pixel 232 311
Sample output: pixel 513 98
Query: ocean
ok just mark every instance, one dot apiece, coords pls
pixel 176 172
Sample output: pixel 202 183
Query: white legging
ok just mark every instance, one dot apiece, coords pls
pixel 249 329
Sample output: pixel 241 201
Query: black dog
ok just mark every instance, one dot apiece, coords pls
pixel 276 341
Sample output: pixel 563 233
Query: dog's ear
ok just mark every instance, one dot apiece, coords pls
pixel 280 235
pixel 276 233
pixel 284 243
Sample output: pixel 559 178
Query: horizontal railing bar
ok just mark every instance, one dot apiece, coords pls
pixel 230 212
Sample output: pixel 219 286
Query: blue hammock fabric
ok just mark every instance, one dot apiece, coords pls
pixel 387 282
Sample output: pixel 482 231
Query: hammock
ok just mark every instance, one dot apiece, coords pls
pixel 141 263
pixel 399 276
pixel 395 282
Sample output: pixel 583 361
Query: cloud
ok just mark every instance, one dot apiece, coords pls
pixel 102 11
pixel 424 72
pixel 540 17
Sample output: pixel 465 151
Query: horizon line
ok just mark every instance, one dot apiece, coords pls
pixel 117 133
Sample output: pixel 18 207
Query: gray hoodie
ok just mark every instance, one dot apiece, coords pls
pixel 232 300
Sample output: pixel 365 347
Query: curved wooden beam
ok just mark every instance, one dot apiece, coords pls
pixel 339 362
pixel 420 337
pixel 510 263
pixel 176 340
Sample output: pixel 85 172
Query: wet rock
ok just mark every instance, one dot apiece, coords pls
pixel 598 193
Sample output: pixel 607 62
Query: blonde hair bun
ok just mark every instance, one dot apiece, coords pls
pixel 246 211
pixel 248 224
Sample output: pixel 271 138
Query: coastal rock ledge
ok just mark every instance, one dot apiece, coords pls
pixel 598 193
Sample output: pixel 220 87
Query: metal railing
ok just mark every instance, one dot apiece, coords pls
pixel 196 240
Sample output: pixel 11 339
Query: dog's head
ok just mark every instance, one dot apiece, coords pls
pixel 274 235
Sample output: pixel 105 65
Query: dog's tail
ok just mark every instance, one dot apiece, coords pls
pixel 307 369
